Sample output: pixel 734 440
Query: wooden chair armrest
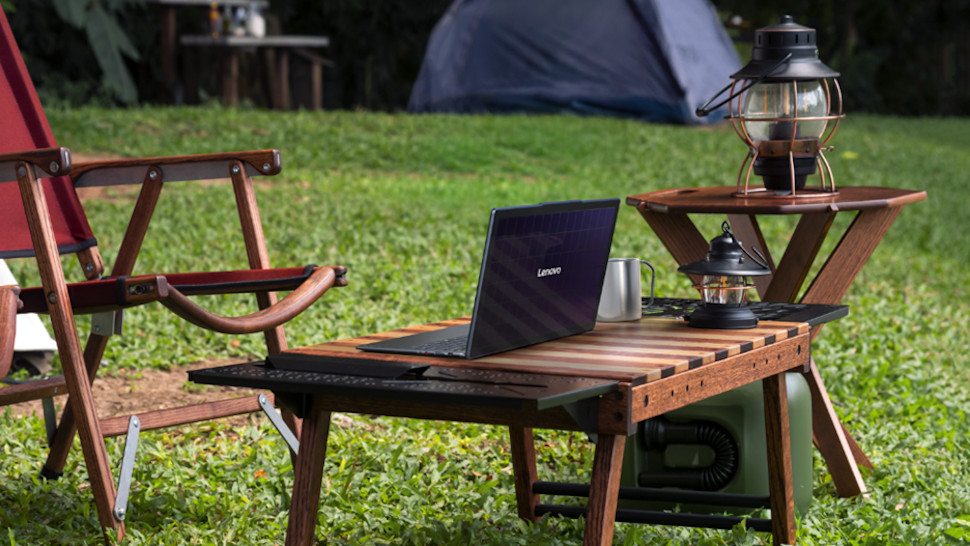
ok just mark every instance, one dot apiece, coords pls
pixel 9 303
pixel 114 172
pixel 53 161
pixel 321 280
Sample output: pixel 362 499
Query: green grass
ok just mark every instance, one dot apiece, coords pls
pixel 403 201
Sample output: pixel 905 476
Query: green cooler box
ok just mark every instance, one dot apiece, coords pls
pixel 718 445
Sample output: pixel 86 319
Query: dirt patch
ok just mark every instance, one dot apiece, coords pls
pixel 145 390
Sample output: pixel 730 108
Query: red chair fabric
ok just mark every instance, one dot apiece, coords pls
pixel 23 126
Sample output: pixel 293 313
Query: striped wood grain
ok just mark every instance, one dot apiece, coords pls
pixel 637 352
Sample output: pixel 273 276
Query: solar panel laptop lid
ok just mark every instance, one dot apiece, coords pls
pixel 540 279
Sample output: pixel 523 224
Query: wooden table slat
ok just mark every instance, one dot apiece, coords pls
pixel 636 351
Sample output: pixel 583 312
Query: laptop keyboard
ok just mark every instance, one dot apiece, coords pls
pixel 452 346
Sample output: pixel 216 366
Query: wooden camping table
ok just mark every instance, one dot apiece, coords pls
pixel 278 79
pixel 876 208
pixel 168 26
pixel 603 382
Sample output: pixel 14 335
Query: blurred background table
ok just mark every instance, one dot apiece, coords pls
pixel 277 64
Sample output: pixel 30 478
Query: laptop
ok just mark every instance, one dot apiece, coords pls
pixel 540 279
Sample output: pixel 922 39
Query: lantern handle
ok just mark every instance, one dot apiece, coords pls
pixel 705 109
pixel 760 260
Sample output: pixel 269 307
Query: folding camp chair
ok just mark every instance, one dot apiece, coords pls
pixel 41 217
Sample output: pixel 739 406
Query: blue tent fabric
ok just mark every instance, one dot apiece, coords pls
pixel 655 60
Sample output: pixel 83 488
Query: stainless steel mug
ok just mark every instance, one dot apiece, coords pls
pixel 620 300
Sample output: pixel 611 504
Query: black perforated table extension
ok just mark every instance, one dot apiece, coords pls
pixel 812 314
pixel 445 385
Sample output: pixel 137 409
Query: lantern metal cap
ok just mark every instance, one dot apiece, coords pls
pixel 726 257
pixel 785 51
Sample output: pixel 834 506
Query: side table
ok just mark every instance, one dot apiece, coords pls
pixel 876 208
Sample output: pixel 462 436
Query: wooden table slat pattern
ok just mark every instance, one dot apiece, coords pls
pixel 636 352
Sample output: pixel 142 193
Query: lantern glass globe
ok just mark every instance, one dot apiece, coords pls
pixel 785 101
pixel 721 290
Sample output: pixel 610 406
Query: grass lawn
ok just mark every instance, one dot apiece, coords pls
pixel 403 201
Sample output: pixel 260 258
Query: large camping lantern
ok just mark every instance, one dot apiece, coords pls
pixel 781 105
pixel 724 284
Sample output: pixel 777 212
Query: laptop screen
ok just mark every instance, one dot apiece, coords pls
pixel 542 273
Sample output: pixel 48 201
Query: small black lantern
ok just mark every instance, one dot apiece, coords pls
pixel 724 286
pixel 782 112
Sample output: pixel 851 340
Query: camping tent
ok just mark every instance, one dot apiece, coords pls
pixel 655 60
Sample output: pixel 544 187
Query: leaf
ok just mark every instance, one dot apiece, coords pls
pixel 99 31
pixel 119 38
pixel 71 11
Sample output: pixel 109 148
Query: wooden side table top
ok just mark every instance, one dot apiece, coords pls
pixel 721 199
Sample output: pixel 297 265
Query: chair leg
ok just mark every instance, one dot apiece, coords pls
pixel 69 347
pixel 64 434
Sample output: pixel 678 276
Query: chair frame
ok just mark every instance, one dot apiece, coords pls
pixel 80 365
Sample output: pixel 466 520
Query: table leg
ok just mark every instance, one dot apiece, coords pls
pixel 230 77
pixel 283 65
pixel 796 262
pixel 168 41
pixel 604 490
pixel 778 438
pixel 308 473
pixel 678 234
pixel 846 261
pixel 747 230
pixel 831 439
pixel 522 445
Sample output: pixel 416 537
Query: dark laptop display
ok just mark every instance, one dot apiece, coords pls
pixel 541 277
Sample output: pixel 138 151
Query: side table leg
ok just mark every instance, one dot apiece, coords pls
pixel 308 473
pixel 778 437
pixel 522 445
pixel 830 438
pixel 604 489
pixel 678 234
pixel 746 228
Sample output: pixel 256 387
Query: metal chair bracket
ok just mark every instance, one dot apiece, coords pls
pixel 127 467
pixel 280 425
pixel 108 323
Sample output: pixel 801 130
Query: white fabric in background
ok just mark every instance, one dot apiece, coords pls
pixel 31 335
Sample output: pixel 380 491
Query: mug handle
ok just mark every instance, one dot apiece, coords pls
pixel 653 278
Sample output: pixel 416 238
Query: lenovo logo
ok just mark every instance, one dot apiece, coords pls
pixel 549 271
